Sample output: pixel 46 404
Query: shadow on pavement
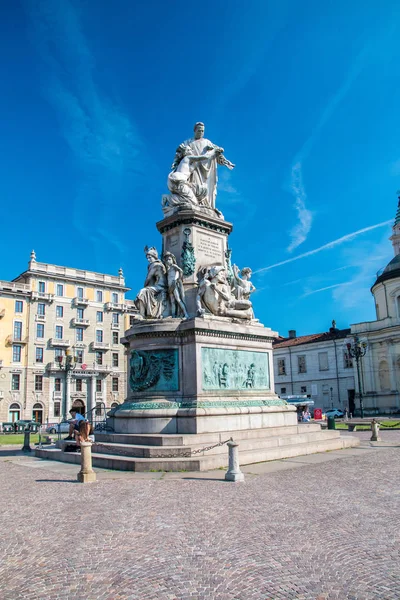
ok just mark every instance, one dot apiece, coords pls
pixel 202 479
pixel 57 481
pixel 14 452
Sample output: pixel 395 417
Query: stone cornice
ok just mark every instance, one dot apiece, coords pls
pixel 202 332
pixel 191 218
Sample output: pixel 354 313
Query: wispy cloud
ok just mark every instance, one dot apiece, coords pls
pixel 324 289
pixel 99 133
pixel 300 232
pixel 328 246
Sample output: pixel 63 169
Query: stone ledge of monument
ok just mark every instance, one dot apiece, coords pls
pixel 217 408
pixel 204 220
pixel 186 439
pixel 207 325
pixel 151 439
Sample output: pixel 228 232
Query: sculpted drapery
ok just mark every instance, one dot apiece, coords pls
pixel 204 175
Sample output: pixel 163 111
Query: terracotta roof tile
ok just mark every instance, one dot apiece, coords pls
pixel 312 338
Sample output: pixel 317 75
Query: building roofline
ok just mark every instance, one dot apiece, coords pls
pixel 313 338
pixel 74 278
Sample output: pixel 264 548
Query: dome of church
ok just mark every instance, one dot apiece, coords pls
pixel 391 271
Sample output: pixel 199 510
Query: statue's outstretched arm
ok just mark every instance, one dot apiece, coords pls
pixel 221 160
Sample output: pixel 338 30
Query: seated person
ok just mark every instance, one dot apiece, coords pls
pixel 74 425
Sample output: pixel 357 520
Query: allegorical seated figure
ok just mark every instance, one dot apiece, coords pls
pixel 151 299
pixel 215 295
pixel 183 190
pixel 176 291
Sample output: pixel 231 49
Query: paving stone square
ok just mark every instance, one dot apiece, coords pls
pixel 321 527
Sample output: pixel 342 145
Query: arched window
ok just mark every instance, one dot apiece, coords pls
pixel 37 412
pixel 14 412
pixel 384 378
pixel 79 406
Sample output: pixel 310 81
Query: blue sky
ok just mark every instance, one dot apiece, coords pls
pixel 303 96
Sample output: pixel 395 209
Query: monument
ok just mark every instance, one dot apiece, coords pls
pixel 200 362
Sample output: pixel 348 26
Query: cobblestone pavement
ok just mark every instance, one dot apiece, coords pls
pixel 322 531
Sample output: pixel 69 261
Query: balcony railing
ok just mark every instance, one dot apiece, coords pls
pixel 116 306
pixel 42 296
pixel 80 322
pixel 115 326
pixel 40 318
pixel 57 395
pixel 12 339
pixel 103 368
pixel 100 346
pixel 59 343
pixel 14 286
pixel 77 301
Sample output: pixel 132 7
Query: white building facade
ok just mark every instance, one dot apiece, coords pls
pixel 317 365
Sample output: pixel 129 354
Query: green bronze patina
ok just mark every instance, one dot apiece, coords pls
pixel 154 370
pixel 200 404
pixel 224 369
pixel 188 257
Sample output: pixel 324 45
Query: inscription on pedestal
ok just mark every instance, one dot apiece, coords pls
pixel 209 249
pixel 225 369
pixel 172 244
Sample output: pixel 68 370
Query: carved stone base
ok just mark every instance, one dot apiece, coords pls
pixel 200 375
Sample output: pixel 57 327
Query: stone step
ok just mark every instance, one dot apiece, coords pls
pixel 203 438
pixel 148 451
pixel 201 463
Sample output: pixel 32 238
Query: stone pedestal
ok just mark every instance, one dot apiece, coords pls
pixel 197 240
pixel 200 375
pixel 208 373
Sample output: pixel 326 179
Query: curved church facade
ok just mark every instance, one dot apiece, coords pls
pixel 380 368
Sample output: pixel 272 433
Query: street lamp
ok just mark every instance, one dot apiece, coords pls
pixel 67 366
pixel 331 397
pixel 357 348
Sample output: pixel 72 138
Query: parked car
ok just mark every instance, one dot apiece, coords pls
pixel 337 413
pixel 58 428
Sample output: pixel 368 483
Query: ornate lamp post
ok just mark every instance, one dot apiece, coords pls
pixel 357 348
pixel 67 366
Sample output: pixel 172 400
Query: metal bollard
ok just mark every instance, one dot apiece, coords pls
pixel 375 437
pixel 234 473
pixel 86 474
pixel 27 447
